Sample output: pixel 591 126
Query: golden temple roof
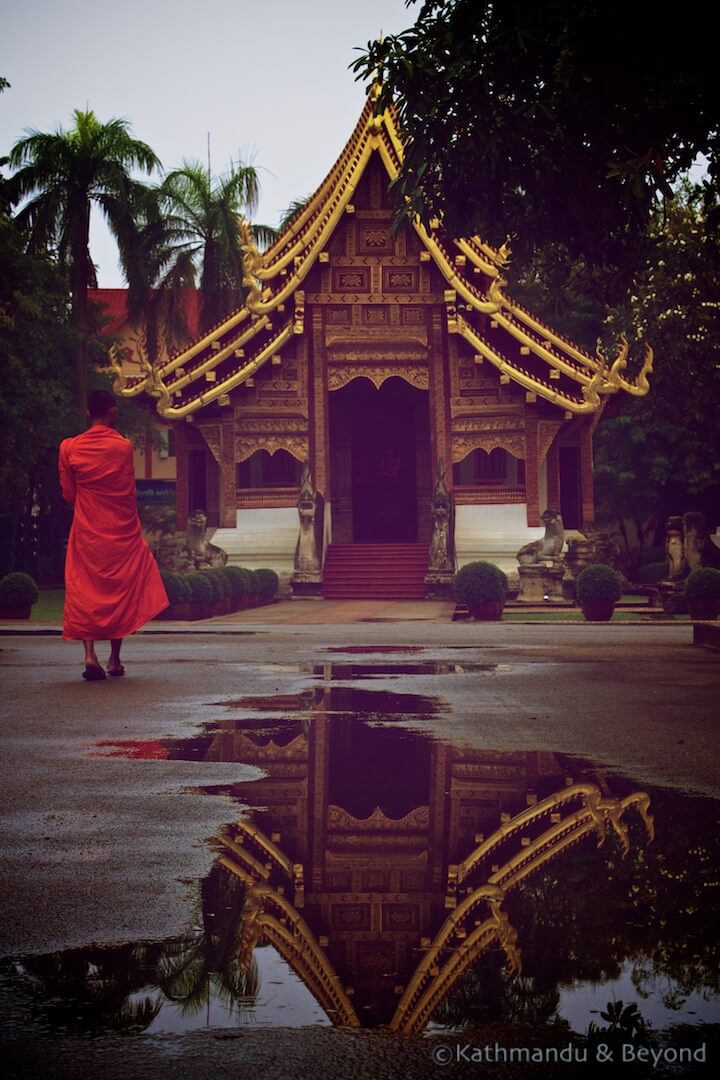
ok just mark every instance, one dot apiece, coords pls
pixel 497 329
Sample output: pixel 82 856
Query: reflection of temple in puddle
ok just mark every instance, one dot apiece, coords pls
pixel 381 861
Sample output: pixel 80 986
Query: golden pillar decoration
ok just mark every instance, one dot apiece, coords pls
pixel 318 401
pixel 532 486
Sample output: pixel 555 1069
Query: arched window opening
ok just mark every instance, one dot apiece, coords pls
pixel 264 470
pixel 496 468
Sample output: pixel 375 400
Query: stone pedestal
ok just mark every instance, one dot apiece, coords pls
pixel 306 584
pixel 439 585
pixel 672 596
pixel 540 584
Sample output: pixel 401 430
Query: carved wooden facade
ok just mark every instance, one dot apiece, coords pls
pixel 342 297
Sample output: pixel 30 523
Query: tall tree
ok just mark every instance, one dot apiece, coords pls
pixel 660 455
pixel 205 212
pixel 558 122
pixel 59 177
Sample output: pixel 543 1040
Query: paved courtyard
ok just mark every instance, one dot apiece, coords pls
pixel 99 848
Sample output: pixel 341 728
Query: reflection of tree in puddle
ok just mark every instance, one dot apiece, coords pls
pixel 122 988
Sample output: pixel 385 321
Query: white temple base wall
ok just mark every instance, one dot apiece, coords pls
pixel 262 537
pixel 493 533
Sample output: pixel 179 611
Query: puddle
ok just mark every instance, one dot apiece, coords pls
pixel 384 878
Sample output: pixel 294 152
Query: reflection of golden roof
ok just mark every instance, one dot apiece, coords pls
pixel 565 818
pixel 493 325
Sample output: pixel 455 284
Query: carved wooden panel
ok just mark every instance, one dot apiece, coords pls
pixel 356 278
pixel 400 279
pixel 374 238
pixel 375 315
pixel 412 315
pixel 340 375
pixel 339 314
pixel 350 916
pixel 462 445
pixel 400 917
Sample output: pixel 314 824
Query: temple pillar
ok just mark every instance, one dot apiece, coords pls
pixel 318 761
pixel 532 465
pixel 228 494
pixel 318 401
pixel 443 350
pixel 553 475
pixel 586 477
pixel 182 478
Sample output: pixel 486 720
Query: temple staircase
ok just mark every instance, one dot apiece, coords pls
pixel 375 572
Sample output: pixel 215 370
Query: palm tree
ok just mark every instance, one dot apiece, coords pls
pixel 158 266
pixel 206 210
pixel 62 175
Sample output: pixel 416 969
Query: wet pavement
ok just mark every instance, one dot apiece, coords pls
pixel 341 854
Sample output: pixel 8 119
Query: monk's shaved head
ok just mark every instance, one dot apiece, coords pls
pixel 100 403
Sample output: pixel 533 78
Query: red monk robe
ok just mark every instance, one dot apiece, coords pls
pixel 112 582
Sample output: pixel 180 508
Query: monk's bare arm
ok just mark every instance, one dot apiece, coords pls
pixel 67 480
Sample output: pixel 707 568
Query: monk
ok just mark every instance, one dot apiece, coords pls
pixel 112 582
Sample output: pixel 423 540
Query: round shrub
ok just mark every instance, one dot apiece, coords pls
pixel 269 583
pixel 702 582
pixel 224 583
pixel 238 582
pixel 477 582
pixel 184 589
pixel 253 582
pixel 174 586
pixel 18 590
pixel 598 582
pixel 200 588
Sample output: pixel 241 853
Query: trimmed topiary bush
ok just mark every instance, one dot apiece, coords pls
pixel 269 583
pixel 239 583
pixel 702 582
pixel 18 590
pixel 598 582
pixel 200 588
pixel 222 586
pixel 175 587
pixel 253 583
pixel 477 582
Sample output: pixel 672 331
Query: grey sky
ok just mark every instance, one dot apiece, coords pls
pixel 269 82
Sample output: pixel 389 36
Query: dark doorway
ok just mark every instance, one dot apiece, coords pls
pixel 380 458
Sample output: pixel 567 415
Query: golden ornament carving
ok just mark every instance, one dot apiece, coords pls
pixel 246 446
pixel 465 444
pixel 340 375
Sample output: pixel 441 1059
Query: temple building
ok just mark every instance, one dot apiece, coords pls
pixel 374 355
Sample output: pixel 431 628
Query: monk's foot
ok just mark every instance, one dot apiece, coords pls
pixel 93 673
pixel 115 668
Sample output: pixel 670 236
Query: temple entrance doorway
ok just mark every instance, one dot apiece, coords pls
pixel 380 463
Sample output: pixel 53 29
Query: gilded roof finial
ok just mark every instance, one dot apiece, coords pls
pixel 252 262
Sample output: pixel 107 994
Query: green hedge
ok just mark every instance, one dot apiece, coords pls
pixel 269 583
pixel 479 581
pixel 17 590
pixel 598 582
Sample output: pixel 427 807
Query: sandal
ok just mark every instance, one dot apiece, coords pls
pixel 93 674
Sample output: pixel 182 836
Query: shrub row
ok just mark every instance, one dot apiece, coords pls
pixel 206 587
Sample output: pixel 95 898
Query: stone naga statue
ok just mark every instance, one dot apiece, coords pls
pixel 202 552
pixel 550 546
pixel 307 553
pixel 442 555
pixel 688 545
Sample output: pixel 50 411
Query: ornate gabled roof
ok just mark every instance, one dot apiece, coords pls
pixel 497 329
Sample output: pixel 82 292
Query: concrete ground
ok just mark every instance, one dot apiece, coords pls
pixel 97 849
